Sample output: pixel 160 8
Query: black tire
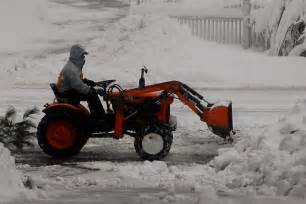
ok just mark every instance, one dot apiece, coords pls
pixel 79 142
pixel 167 137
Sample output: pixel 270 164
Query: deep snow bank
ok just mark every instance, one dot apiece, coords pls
pixel 38 40
pixel 202 3
pixel 181 3
pixel 170 51
pixel 272 161
pixel 167 48
pixel 22 23
pixel 10 178
pixel 188 7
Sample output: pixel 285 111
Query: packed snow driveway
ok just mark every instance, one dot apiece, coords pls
pixel 107 168
pixel 110 171
pixel 193 143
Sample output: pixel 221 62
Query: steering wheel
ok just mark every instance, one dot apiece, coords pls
pixel 105 84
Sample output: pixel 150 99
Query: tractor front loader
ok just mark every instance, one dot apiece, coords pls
pixel 143 113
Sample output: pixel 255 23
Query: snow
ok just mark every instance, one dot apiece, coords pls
pixel 298 50
pixel 10 178
pixel 274 20
pixel 271 161
pixel 294 11
pixel 187 8
pixel 202 3
pixel 268 17
pixel 182 3
pixel 23 52
pixel 264 161
pixel 157 42
pixel 267 159
pixel 27 23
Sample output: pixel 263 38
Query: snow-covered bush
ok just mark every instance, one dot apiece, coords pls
pixel 13 135
pixel 10 178
pixel 269 162
pixel 273 21
pixel 17 135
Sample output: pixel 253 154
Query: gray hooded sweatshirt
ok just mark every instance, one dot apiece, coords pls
pixel 71 75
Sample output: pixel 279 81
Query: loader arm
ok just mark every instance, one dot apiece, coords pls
pixel 218 117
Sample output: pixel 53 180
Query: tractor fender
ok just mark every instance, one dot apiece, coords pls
pixel 69 110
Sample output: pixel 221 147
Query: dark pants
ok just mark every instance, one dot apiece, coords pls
pixel 92 98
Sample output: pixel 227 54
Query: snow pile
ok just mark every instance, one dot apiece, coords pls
pixel 22 23
pixel 274 20
pixel 44 53
pixel 272 162
pixel 187 8
pixel 202 3
pixel 181 3
pixel 10 178
pixel 158 42
pixel 269 162
pixel 255 3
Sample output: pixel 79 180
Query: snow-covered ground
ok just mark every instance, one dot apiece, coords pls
pixel 271 161
pixel 200 168
pixel 10 178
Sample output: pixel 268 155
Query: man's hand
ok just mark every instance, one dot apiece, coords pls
pixel 89 82
pixel 92 91
pixel 100 92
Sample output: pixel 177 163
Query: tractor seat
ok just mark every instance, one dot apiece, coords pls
pixel 59 98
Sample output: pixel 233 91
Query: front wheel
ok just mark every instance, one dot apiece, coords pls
pixel 154 143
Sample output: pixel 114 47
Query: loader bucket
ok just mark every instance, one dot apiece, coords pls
pixel 219 119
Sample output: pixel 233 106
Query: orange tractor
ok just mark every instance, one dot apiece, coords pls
pixel 143 113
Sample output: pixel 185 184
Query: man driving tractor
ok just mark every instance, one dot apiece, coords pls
pixel 143 112
pixel 73 87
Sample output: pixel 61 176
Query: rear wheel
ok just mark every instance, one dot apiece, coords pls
pixel 153 143
pixel 61 136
